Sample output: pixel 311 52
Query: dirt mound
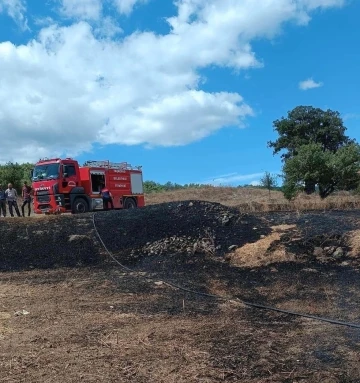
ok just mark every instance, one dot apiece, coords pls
pixel 189 227
pixel 177 234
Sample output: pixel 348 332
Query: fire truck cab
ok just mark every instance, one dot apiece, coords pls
pixel 61 185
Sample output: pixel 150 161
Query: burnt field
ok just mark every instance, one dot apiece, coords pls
pixel 88 319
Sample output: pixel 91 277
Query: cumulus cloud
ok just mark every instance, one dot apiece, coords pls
pixel 69 87
pixel 309 84
pixel 15 9
pixel 82 9
pixel 126 6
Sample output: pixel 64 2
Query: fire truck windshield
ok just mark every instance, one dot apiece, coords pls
pixel 46 172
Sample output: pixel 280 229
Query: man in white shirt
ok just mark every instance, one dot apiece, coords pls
pixel 11 197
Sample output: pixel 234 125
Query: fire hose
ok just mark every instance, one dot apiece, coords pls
pixel 222 298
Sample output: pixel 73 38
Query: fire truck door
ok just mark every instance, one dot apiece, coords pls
pixel 70 178
pixel 97 179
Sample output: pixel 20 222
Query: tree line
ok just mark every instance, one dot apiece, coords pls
pixel 317 157
pixel 15 173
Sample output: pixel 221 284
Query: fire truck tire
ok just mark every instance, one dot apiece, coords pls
pixel 130 203
pixel 80 206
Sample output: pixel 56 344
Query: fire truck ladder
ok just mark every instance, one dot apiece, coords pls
pixel 111 165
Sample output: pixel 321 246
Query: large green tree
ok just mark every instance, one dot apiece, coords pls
pixel 15 173
pixel 328 169
pixel 305 125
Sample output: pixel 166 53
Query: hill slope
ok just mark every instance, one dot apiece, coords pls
pixel 255 199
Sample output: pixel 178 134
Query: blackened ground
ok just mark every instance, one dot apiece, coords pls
pixel 48 242
pixel 77 313
pixel 191 227
pixel 185 243
pixel 317 230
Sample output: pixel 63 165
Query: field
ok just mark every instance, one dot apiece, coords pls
pixel 174 296
pixel 255 199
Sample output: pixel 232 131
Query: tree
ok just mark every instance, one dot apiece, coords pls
pixel 305 125
pixel 268 181
pixel 15 173
pixel 329 170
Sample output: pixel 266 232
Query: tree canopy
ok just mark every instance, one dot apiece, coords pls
pixel 15 173
pixel 329 170
pixel 305 125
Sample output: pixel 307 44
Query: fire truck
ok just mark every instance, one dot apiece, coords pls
pixel 62 186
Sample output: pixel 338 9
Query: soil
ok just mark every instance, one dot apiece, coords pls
pixel 87 319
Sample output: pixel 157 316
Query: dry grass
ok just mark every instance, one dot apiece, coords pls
pixel 256 200
pixel 354 242
pixel 77 329
pixel 256 254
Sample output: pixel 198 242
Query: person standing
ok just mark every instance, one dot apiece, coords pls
pixel 2 201
pixel 11 197
pixel 106 197
pixel 26 190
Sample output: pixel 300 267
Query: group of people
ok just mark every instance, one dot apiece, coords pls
pixel 9 197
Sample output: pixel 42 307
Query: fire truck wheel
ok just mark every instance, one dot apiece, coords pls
pixel 80 206
pixel 130 203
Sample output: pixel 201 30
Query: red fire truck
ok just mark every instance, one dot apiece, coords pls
pixel 61 185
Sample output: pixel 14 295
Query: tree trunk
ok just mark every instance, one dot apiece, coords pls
pixel 310 187
pixel 325 191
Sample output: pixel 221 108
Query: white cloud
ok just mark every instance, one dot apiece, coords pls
pixel 255 183
pixel 15 9
pixel 313 4
pixel 82 9
pixel 107 28
pixel 126 6
pixel 69 87
pixel 233 178
pixel 309 84
pixel 351 116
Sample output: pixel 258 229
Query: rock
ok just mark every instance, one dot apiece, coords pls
pixel 22 312
pixel 78 237
pixel 310 270
pixel 318 252
pixel 338 253
pixel 225 220
pixel 232 247
pixel 329 249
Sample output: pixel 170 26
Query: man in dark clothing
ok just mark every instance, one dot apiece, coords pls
pixel 2 201
pixel 26 190
pixel 106 197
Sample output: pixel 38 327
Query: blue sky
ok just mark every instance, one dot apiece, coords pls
pixel 105 80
